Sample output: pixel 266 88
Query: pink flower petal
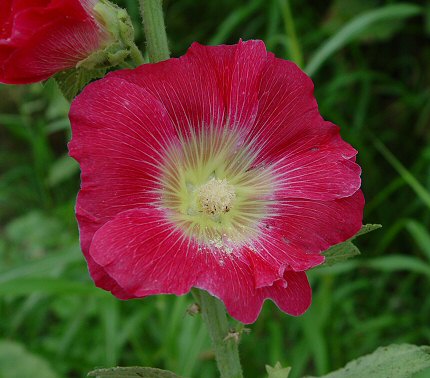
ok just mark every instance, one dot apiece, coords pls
pixel 239 69
pixel 5 18
pixel 119 149
pixel 223 81
pixel 146 254
pixel 142 254
pixel 302 229
pixel 292 295
pixel 266 266
pixel 187 89
pixel 308 153
pixel 232 282
pixel 317 170
pixel 53 49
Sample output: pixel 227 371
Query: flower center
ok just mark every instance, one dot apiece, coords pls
pixel 215 197
pixel 211 189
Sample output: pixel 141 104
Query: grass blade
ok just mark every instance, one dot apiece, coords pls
pixel 357 26
pixel 404 172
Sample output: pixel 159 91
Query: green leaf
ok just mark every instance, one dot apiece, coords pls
pixel 358 26
pixel 132 372
pixel 72 81
pixel 17 362
pixel 278 371
pixel 340 252
pixel 347 249
pixel 393 361
pixel 366 228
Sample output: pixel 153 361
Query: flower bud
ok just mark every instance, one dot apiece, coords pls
pixel 40 40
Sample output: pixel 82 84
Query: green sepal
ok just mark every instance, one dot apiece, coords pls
pixel 346 250
pixel 278 371
pixel 132 372
pixel 111 56
pixel 393 361
pixel 121 46
pixel 117 21
pixel 72 81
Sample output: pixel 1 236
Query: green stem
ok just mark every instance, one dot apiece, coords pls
pixel 226 349
pixel 155 31
pixel 290 30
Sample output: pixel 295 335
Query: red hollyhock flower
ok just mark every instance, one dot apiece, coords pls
pixel 216 171
pixel 39 38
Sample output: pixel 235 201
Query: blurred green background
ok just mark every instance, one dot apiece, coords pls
pixel 370 61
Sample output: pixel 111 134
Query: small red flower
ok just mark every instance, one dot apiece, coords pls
pixel 214 170
pixel 39 38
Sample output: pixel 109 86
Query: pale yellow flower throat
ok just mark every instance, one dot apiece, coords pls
pixel 212 192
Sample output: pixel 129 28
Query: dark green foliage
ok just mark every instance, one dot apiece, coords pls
pixel 132 372
pixel 376 86
pixel 16 362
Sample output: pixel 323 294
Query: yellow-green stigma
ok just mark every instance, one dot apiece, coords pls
pixel 211 190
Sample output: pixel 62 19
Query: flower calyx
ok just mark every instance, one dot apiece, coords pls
pixel 119 28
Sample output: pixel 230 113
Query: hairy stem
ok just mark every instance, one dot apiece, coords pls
pixel 155 31
pixel 225 348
